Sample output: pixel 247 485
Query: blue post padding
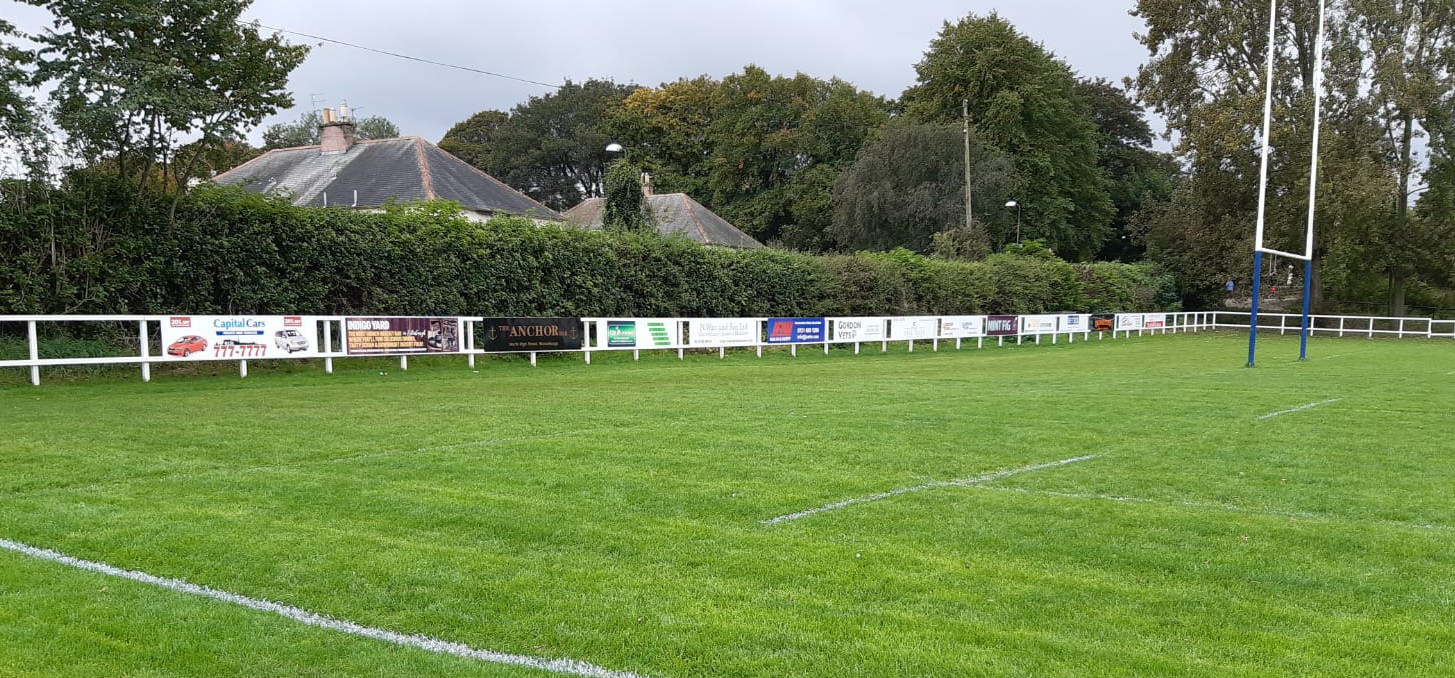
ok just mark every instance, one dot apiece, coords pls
pixel 1308 272
pixel 1253 318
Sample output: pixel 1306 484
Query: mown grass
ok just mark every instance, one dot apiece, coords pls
pixel 610 513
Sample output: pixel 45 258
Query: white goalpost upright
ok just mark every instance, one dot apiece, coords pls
pixel 1259 246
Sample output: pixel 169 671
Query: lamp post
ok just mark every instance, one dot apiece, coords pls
pixel 1017 207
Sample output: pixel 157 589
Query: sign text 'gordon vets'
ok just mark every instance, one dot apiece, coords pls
pixel 531 334
pixel 795 330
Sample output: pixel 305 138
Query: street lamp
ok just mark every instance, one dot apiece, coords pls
pixel 1017 207
pixel 614 147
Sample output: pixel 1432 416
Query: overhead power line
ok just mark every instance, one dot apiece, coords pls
pixel 405 56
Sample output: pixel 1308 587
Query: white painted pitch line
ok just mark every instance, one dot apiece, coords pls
pixel 569 667
pixel 962 482
pixel 1212 506
pixel 1300 408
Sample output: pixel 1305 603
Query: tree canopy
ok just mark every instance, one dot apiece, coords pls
pixel 132 79
pixel 1022 100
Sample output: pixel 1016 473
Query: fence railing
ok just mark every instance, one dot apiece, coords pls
pixel 159 339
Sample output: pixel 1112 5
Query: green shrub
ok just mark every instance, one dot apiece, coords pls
pixel 95 247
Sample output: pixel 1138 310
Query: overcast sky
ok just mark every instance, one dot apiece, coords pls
pixel 872 44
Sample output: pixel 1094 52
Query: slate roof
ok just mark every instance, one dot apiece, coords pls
pixel 404 169
pixel 677 214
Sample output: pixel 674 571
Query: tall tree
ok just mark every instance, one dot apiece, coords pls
pixel 1388 81
pixel 305 131
pixel 19 121
pixel 1137 175
pixel 1408 49
pixel 553 147
pixel 475 139
pixel 1022 100
pixel 666 129
pixel 625 209
pixel 133 78
pixel 776 144
pixel 908 184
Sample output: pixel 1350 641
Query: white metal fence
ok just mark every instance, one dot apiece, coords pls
pixel 329 336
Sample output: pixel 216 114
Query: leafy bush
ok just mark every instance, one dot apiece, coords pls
pixel 92 247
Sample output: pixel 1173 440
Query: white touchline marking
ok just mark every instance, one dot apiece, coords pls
pixel 1301 515
pixel 1300 408
pixel 962 482
pixel 561 666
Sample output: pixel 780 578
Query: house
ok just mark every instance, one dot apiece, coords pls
pixel 675 214
pixel 340 172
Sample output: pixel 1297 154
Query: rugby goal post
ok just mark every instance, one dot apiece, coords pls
pixel 1259 245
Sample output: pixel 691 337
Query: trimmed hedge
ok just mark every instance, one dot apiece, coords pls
pixel 102 249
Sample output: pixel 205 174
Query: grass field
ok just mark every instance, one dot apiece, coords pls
pixel 613 514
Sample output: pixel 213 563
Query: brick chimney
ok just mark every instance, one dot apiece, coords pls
pixel 336 132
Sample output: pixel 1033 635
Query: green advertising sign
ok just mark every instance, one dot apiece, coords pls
pixel 621 334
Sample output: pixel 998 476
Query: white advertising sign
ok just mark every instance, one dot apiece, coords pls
pixel 1075 322
pixel 920 327
pixel 239 337
pixel 1154 320
pixel 722 332
pixel 961 326
pixel 859 329
pixel 1038 324
pixel 640 333
pixel 1129 321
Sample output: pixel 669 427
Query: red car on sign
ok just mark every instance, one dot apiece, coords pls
pixel 187 346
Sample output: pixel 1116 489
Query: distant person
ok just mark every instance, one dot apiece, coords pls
pixel 1229 287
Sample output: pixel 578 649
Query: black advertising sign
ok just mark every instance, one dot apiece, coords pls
pixel 1002 325
pixel 401 336
pixel 504 335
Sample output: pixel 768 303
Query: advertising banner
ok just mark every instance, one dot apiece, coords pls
pixel 1103 322
pixel 641 333
pixel 506 335
pixel 1038 324
pixel 1154 320
pixel 859 329
pixel 1129 321
pixel 722 332
pixel 238 337
pixel 962 326
pixel 919 327
pixel 401 335
pixel 1002 325
pixel 1075 322
pixel 796 330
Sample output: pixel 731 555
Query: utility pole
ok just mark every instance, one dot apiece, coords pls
pixel 965 111
pixel 969 204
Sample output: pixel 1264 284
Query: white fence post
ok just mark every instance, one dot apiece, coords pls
pixel 146 349
pixel 328 347
pixel 403 362
pixel 470 342
pixel 34 352
pixel 242 369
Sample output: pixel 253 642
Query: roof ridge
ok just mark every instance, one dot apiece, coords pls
pixel 423 165
pixel 690 212
pixel 487 175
